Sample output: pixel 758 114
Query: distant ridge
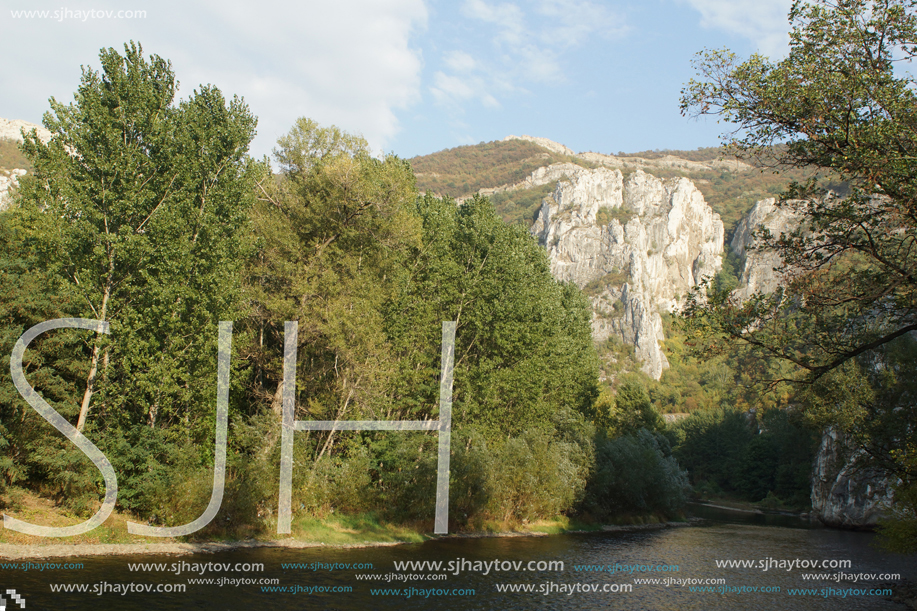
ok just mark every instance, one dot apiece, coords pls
pixel 505 171
pixel 554 147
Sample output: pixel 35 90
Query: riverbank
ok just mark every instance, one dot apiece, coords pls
pixel 12 551
pixel 746 507
pixel 52 549
pixel 333 531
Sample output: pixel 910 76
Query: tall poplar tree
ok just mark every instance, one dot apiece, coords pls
pixel 140 205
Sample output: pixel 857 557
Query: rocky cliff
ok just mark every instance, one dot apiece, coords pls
pixel 845 494
pixel 12 130
pixel 637 246
pixel 757 273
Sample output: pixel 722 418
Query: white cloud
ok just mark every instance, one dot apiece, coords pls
pixel 460 61
pixel 508 17
pixel 350 63
pixel 453 91
pixel 572 21
pixel 520 47
pixel 764 22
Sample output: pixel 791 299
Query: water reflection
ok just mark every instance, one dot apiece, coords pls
pixel 695 550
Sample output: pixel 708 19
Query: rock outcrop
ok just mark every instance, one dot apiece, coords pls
pixel 12 130
pixel 554 147
pixel 8 180
pixel 637 246
pixel 845 495
pixel 664 162
pixel 757 273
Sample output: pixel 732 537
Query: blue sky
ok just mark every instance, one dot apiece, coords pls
pixel 412 76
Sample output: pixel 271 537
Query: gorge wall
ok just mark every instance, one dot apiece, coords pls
pixel 637 245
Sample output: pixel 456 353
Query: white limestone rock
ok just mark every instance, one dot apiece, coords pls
pixel 662 241
pixel 11 129
pixel 845 495
pixel 8 181
pixel 757 274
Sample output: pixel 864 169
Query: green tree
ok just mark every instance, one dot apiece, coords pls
pixel 629 410
pixel 836 103
pixel 334 230
pixel 523 340
pixel 370 271
pixel 140 205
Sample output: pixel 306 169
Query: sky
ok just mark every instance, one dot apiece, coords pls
pixel 412 76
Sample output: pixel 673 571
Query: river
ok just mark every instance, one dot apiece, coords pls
pixel 577 571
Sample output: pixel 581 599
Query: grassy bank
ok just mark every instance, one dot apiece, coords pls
pixel 332 530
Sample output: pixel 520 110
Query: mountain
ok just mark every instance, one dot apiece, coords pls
pixel 501 170
pixel 636 245
pixel 635 232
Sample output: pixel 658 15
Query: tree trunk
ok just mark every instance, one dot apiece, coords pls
pixel 94 364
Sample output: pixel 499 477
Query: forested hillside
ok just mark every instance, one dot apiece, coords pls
pixel 463 171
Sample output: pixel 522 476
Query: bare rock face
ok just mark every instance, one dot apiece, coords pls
pixel 638 246
pixel 844 496
pixel 11 129
pixel 758 275
pixel 8 180
pixel 666 162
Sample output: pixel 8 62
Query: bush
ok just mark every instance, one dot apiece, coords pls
pixel 636 474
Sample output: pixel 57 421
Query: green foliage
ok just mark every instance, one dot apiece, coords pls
pixel 334 236
pixel 370 272
pixel 615 279
pixel 524 339
pixel 628 411
pixel 727 279
pixel 899 534
pixel 33 452
pixel 635 474
pixel 125 208
pixel 701 154
pixel 870 402
pixel 836 103
pixel 135 213
pixel 733 453
pixel 605 214
pixel 844 111
pixel 521 206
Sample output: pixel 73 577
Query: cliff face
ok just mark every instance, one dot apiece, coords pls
pixel 9 179
pixel 637 246
pixel 12 131
pixel 844 496
pixel 757 274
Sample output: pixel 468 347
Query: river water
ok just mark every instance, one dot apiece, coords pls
pixel 599 571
